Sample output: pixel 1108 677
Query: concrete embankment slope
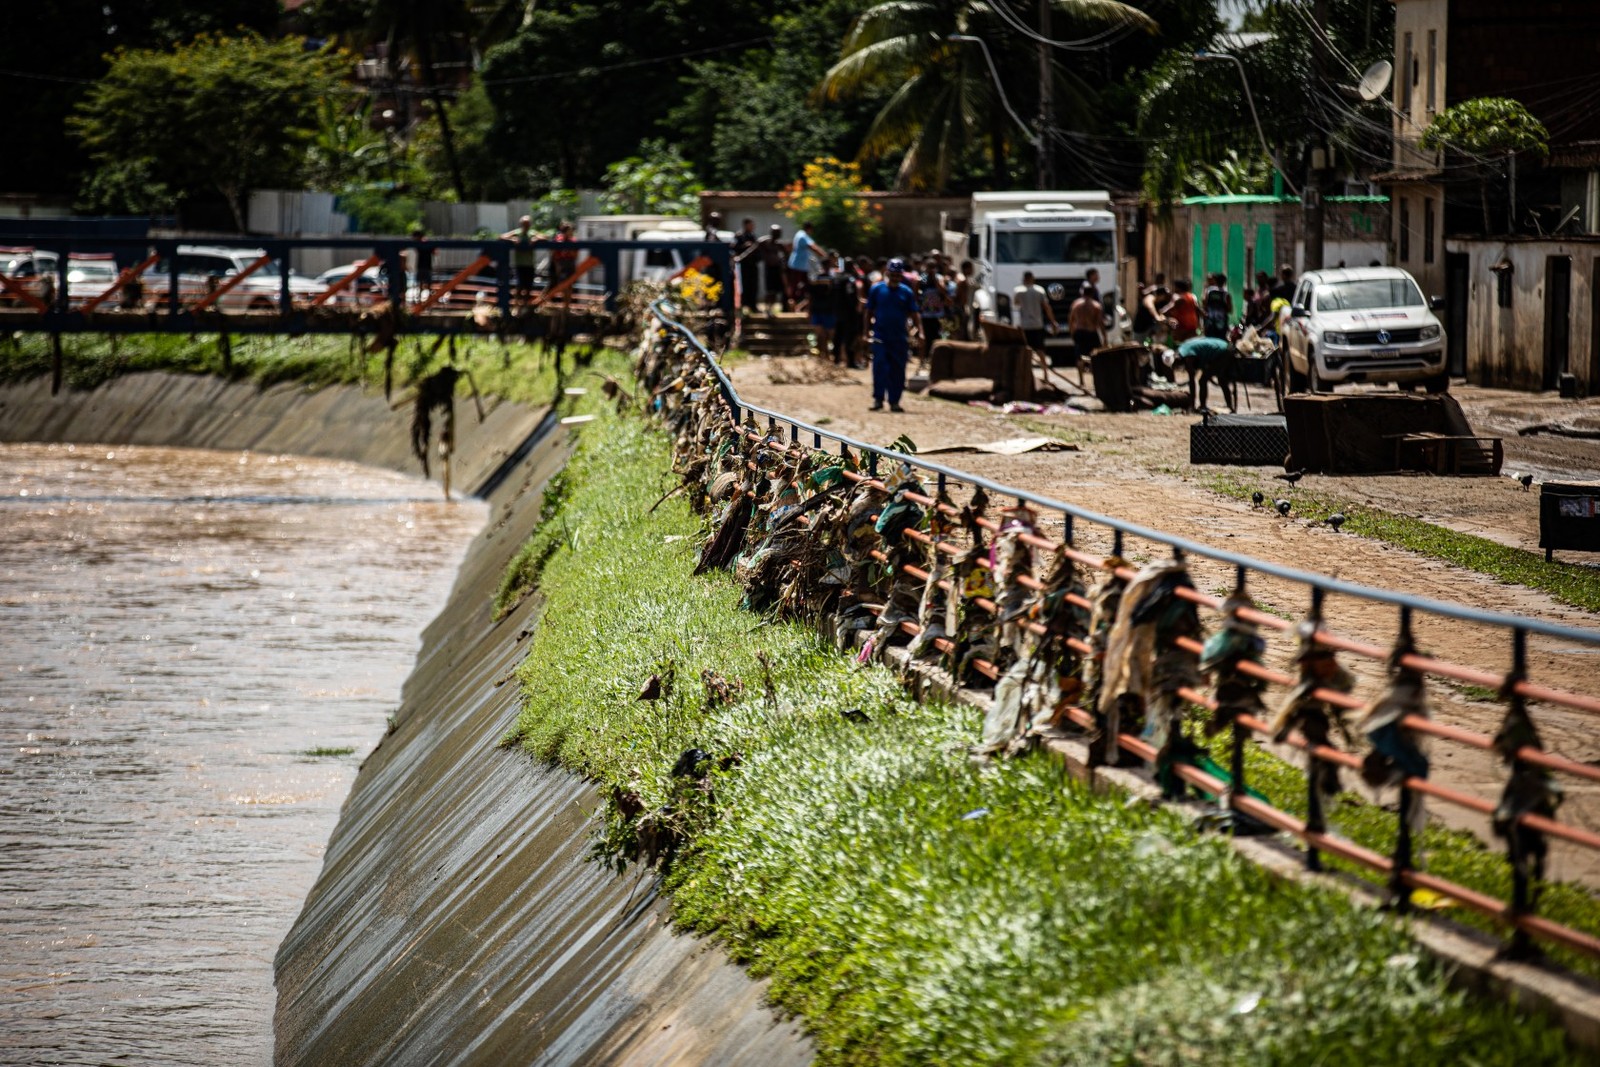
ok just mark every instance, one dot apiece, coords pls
pixel 455 919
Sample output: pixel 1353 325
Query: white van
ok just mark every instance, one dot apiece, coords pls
pixel 1364 324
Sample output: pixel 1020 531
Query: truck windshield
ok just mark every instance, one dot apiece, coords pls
pixel 1368 294
pixel 1053 246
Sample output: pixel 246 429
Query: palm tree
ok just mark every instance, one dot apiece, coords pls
pixel 946 102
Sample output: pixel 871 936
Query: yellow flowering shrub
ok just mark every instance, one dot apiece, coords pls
pixel 830 200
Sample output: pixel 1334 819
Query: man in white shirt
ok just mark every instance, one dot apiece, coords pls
pixel 1031 309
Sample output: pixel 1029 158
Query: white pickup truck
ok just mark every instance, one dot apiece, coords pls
pixel 1364 324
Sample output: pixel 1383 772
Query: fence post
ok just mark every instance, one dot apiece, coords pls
pixel 1316 819
pixel 1522 900
pixel 1400 893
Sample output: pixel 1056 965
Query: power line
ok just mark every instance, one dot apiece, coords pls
pixel 1094 42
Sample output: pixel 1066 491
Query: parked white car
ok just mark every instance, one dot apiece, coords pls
pixel 1366 324
pixel 258 292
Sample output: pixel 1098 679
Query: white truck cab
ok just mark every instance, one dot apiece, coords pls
pixel 1363 324
pixel 1057 235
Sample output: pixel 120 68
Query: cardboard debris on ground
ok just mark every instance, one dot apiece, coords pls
pixel 1028 407
pixel 1011 446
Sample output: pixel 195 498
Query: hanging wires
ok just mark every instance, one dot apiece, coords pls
pixel 1094 42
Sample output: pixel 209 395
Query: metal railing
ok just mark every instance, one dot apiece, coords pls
pixel 151 285
pixel 787 434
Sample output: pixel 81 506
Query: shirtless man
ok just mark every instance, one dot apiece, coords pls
pixel 1085 320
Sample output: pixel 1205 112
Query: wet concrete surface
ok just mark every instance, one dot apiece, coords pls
pixel 456 919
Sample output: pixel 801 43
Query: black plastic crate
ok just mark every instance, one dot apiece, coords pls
pixel 1569 517
pixel 1240 440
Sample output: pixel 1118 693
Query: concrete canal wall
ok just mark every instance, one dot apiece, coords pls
pixel 455 919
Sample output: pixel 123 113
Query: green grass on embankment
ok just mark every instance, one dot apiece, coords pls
pixel 914 907
pixel 513 371
pixel 1569 583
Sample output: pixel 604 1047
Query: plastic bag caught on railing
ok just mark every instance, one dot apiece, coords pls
pixel 1303 710
pixel 1235 642
pixel 1144 666
pixel 1398 752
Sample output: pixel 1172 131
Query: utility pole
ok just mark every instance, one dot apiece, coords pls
pixel 1047 104
pixel 1318 154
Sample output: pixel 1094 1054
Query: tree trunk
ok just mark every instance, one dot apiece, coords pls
pixel 446 136
pixel 234 196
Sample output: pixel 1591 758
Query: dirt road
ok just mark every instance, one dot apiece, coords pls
pixel 1135 467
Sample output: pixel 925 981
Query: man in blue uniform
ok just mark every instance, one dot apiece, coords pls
pixel 892 323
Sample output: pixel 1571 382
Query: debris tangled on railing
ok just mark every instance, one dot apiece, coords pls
pixel 856 540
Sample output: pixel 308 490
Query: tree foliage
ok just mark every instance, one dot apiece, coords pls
pixel 1193 114
pixel 580 84
pixel 1487 126
pixel 944 104
pixel 223 114
pixel 828 200
pixel 656 180
pixel 50 52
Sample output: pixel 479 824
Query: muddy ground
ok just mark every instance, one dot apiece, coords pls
pixel 1135 467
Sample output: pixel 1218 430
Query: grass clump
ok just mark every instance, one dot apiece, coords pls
pixel 912 906
pixel 1570 583
pixel 321 752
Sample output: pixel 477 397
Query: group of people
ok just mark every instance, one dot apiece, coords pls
pixel 525 261
pixel 1198 333
pixel 863 311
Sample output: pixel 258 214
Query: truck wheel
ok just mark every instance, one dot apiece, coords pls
pixel 1297 381
pixel 1438 384
pixel 1314 382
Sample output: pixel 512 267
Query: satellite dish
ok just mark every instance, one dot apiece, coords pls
pixel 1375 80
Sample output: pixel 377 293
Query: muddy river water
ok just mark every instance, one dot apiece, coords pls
pixel 196 651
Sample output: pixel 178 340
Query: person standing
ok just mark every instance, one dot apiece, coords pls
pixel 524 261
pixel 1183 312
pixel 1218 307
pixel 1085 320
pixel 820 298
pixel 799 273
pixel 1150 321
pixel 773 255
pixel 961 303
pixel 564 259
pixel 1284 290
pixel 892 315
pixel 847 307
pixel 1032 309
pixel 935 305
pixel 1091 282
pixel 744 245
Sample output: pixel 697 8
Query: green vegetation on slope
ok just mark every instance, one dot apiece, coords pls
pixel 913 906
pixel 513 371
pixel 1569 583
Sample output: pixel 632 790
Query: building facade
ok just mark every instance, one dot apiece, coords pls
pixel 1511 245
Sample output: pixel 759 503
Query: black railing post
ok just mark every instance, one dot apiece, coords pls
pixel 1316 819
pixel 1400 892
